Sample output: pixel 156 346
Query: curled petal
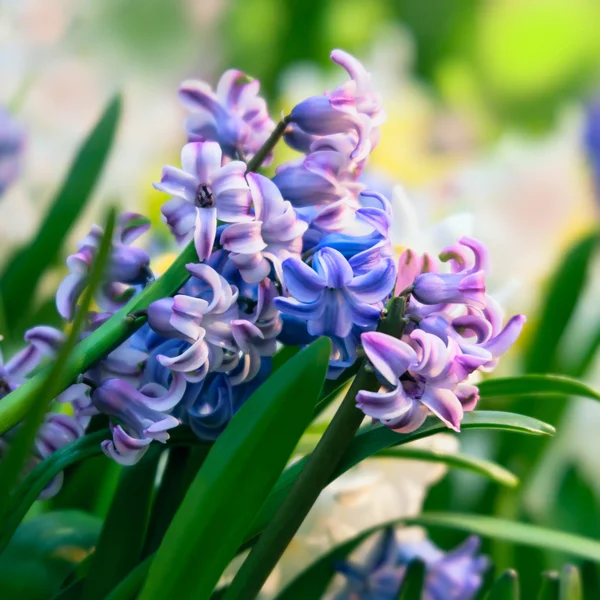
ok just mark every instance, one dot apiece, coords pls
pixel 390 357
pixel 244 238
pixel 375 285
pixel 507 337
pixel 445 405
pixel 300 310
pixel 301 281
pixel 434 355
pixel 178 183
pixel 22 363
pixel 253 267
pixel 331 265
pixel 68 293
pixel 131 226
pixel 180 216
pixel 409 421
pixel 164 400
pixel 409 266
pixel 190 360
pixel 468 396
pixel 384 405
pixel 123 448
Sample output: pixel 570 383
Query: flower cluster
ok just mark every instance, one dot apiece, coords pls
pixel 455 574
pixel 280 260
pixel 453 329
pixel 58 428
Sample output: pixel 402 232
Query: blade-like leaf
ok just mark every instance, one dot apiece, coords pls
pixel 570 583
pixel 23 272
pixel 483 467
pixel 44 551
pixel 561 296
pixel 22 444
pixel 130 585
pixel 550 587
pixel 536 384
pixel 235 479
pixel 124 531
pixel 371 441
pixel 506 587
pixel 413 582
pixel 513 531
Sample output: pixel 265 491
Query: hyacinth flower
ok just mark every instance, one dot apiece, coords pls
pixel 128 266
pixel 12 143
pixel 207 188
pixel 416 379
pixel 330 297
pixel 233 115
pixel 353 106
pixel 42 341
pixel 137 416
pixel 202 320
pixel 274 236
pixel 448 576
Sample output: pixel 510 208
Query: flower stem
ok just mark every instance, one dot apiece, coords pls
pixel 15 406
pixel 315 476
pixel 257 160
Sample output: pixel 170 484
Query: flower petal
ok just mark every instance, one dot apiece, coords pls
pixel 301 281
pixel 443 404
pixel 178 183
pixel 205 231
pixel 244 238
pixel 390 357
pixel 331 265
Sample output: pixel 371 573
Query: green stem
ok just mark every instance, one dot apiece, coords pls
pixel 120 326
pixel 315 476
pixel 257 160
pixel 98 344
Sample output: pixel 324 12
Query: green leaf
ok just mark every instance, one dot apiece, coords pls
pixel 21 445
pixel 413 582
pixel 23 272
pixel 513 531
pixel 236 477
pixel 570 583
pixel 506 587
pixel 485 468
pixel 562 295
pixel 44 551
pixel 283 355
pixel 371 441
pixel 549 590
pixel 535 384
pixel 124 532
pixel 32 485
pixel 130 586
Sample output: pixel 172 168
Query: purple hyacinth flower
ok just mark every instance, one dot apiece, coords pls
pixel 450 288
pixel 203 320
pixel 272 238
pixel 448 575
pixel 454 575
pixel 204 190
pixel 330 297
pixel 42 341
pixel 235 115
pixel 417 379
pixel 127 266
pixel 142 415
pixel 12 143
pixel 352 106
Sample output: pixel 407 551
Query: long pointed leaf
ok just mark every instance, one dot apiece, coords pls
pixel 506 587
pixel 12 465
pixel 20 278
pixel 235 479
pixel 123 534
pixel 536 384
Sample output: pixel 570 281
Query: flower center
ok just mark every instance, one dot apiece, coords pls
pixel 4 387
pixel 204 197
pixel 413 385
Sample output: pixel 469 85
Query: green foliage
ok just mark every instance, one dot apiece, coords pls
pixel 26 268
pixel 506 587
pixel 13 462
pixel 44 551
pixel 124 531
pixel 259 440
pixel 412 584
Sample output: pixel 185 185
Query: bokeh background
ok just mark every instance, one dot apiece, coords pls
pixel 489 103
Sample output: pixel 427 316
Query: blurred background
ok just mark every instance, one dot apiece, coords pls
pixel 493 130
